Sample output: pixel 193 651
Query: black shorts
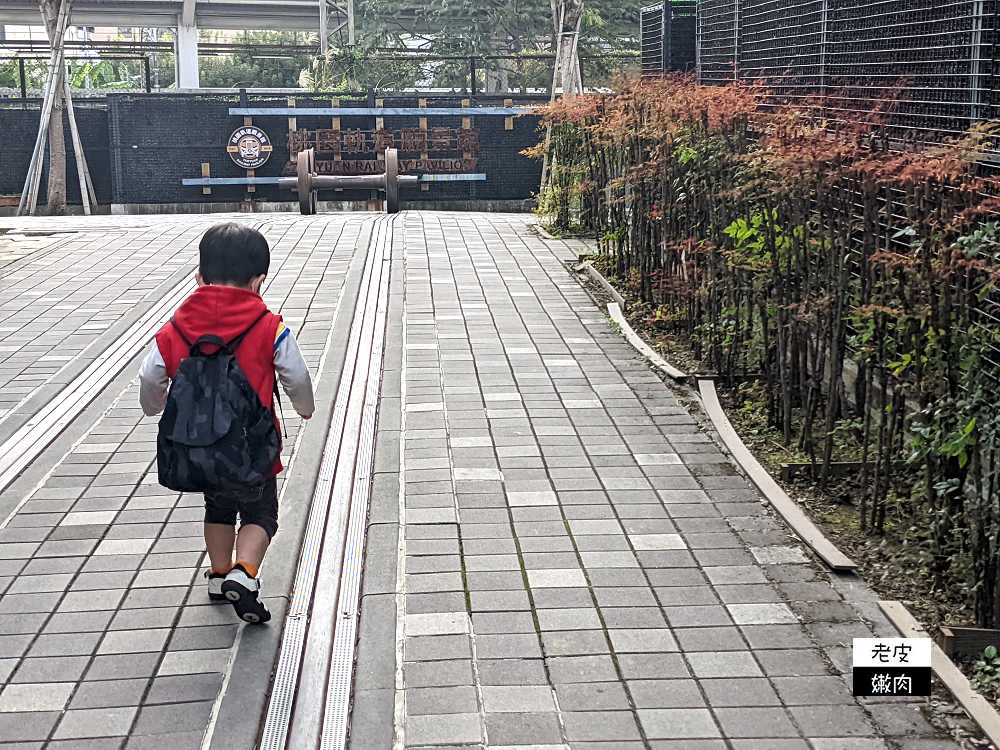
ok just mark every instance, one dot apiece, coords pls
pixel 256 504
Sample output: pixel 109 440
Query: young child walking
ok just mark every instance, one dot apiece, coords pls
pixel 212 373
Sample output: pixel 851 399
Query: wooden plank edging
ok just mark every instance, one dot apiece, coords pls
pixel 641 346
pixel 979 709
pixel 596 276
pixel 787 508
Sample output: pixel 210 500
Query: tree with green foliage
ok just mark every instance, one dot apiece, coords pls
pixel 354 69
pixel 244 69
pixel 498 27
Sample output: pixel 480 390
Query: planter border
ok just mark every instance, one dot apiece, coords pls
pixel 787 508
pixel 596 276
pixel 615 312
pixel 975 705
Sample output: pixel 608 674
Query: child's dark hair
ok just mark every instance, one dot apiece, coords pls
pixel 233 253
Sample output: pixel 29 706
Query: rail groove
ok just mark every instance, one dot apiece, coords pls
pixel 315 663
pixel 21 448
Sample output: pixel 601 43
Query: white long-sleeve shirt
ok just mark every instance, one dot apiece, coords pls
pixel 289 366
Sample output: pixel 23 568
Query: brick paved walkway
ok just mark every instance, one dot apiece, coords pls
pixel 583 566
pixel 107 638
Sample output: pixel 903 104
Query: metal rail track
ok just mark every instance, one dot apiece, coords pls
pixel 25 445
pixel 316 660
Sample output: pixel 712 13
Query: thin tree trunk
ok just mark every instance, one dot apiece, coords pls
pixel 56 197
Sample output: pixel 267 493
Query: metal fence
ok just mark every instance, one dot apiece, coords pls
pixel 937 58
pixel 667 37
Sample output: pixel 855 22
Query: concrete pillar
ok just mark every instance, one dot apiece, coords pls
pixel 186 55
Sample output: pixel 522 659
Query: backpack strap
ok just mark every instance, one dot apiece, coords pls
pixel 180 332
pixel 233 345
pixel 195 348
pixel 211 338
pixel 277 404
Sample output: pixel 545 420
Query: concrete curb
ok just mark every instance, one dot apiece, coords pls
pixel 606 285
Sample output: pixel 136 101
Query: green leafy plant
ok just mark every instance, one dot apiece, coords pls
pixel 986 672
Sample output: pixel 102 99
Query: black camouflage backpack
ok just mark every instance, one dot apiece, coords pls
pixel 215 433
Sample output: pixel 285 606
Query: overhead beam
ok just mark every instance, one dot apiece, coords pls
pixel 278 15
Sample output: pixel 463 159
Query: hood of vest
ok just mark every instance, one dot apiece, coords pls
pixel 222 310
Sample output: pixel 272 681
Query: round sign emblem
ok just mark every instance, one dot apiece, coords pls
pixel 249 146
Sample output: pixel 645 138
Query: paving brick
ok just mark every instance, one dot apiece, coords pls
pixel 560 598
pixel 109 694
pixel 831 721
pixel 441 700
pixel 433 648
pixel 511 672
pixel 13 646
pixel 652 666
pixel 15 604
pixel 570 669
pixel 439 730
pixel 593 696
pixel 812 690
pixel 20 698
pixel 450 672
pixel 159 617
pixel 599 726
pixel 755 722
pixel 575 642
pixel 133 641
pixel 523 728
pixel 678 723
pixel 96 722
pixel 123 666
pixel 508 646
pixel 65 644
pixel 27 727
pixel 791 663
pixel 211 637
pixel 728 692
pixel 568 619
pixel 177 717
pixel 517 699
pixel 642 641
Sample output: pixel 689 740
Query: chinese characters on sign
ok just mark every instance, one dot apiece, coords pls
pixel 407 140
pixel 432 150
pixel 892 666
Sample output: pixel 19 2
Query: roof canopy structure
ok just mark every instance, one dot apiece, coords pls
pixel 277 15
pixel 187 16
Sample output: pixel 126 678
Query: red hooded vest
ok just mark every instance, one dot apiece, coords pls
pixel 227 312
